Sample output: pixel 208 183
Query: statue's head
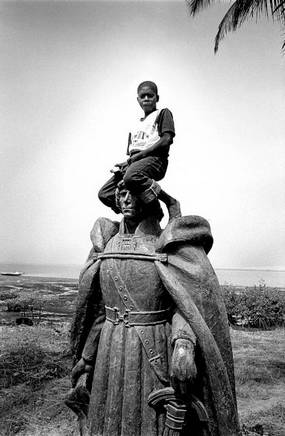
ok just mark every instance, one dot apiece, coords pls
pixel 132 206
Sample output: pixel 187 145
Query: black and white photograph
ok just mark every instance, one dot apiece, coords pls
pixel 142 261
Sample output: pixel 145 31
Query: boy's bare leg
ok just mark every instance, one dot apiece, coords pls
pixel 155 192
pixel 171 203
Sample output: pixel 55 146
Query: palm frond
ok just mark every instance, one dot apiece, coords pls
pixel 237 14
pixel 278 10
pixel 195 6
pixel 240 11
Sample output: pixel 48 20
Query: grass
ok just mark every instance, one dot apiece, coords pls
pixel 35 374
pixel 35 365
pixel 34 378
pixel 260 379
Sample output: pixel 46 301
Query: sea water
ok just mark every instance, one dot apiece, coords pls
pixel 234 276
pixel 251 277
pixel 43 270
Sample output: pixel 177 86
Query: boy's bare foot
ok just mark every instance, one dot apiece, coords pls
pixel 174 210
pixel 172 205
pixel 155 192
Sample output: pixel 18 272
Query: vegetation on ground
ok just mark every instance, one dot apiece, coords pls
pixel 30 304
pixel 260 379
pixel 35 366
pixel 258 307
pixel 37 298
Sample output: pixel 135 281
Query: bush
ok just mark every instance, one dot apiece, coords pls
pixel 32 359
pixel 29 304
pixel 259 306
pixel 31 365
pixel 34 378
pixel 7 295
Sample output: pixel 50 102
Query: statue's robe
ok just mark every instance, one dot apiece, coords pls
pixel 125 374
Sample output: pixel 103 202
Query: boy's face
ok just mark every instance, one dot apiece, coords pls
pixel 147 99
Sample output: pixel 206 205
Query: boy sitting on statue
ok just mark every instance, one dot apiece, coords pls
pixel 148 148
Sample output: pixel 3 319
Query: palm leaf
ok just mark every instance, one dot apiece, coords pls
pixel 240 11
pixel 281 4
pixel 278 10
pixel 195 6
pixel 237 14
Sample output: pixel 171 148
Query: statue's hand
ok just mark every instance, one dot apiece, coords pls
pixel 80 368
pixel 183 367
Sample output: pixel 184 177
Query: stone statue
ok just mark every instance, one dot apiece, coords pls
pixel 150 331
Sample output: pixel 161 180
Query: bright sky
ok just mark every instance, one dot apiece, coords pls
pixel 68 96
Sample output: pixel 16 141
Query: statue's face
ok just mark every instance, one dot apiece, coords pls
pixel 129 204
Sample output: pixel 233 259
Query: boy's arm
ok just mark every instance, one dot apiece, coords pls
pixel 164 141
pixel 166 131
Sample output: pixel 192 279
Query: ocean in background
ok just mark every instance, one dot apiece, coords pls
pixel 242 277
pixel 59 271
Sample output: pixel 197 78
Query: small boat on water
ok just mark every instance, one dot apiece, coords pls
pixel 11 273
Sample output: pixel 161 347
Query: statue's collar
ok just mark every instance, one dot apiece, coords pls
pixel 148 226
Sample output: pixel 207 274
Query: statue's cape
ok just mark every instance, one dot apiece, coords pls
pixel 191 281
pixel 90 306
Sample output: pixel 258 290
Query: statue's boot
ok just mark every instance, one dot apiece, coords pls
pixel 155 192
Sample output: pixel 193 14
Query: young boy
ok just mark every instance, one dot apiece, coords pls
pixel 148 148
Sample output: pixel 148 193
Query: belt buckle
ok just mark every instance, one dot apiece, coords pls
pixel 126 318
pixel 117 315
pixel 121 317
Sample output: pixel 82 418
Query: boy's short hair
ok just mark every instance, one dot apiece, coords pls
pixel 150 84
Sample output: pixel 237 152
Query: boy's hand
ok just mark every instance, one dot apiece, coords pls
pixel 119 167
pixel 135 157
pixel 116 169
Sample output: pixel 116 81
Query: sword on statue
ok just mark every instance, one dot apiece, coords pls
pixel 178 409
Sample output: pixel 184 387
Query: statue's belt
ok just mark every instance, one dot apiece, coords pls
pixel 131 318
pixel 133 314
pixel 161 257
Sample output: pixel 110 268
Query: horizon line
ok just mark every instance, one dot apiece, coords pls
pixel 233 268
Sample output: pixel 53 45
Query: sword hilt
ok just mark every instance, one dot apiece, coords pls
pixel 176 409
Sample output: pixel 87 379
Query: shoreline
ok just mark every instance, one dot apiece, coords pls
pixel 36 277
pixel 246 277
pixel 25 278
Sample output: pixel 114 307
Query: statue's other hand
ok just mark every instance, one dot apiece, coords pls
pixel 80 368
pixel 183 367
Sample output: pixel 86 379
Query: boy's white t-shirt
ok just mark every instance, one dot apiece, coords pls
pixel 145 133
